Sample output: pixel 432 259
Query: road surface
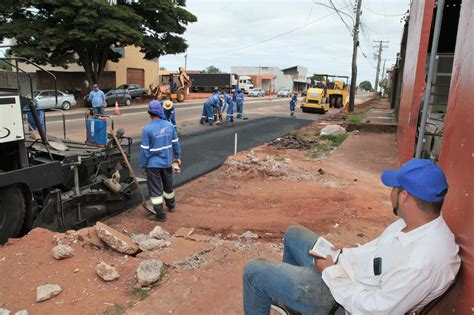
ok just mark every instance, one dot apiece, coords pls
pixel 204 148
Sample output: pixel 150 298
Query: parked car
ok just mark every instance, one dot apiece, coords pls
pixel 284 93
pixel 257 92
pixel 134 90
pixel 119 95
pixel 47 99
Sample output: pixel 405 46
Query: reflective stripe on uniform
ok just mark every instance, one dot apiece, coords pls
pixel 162 148
pixel 157 200
pixel 168 196
pixel 145 147
pixel 175 140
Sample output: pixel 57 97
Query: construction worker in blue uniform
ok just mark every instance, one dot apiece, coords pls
pixel 229 103
pixel 170 113
pixel 293 101
pixel 208 106
pixel 158 151
pixel 239 98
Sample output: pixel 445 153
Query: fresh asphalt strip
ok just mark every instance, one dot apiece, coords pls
pixel 205 151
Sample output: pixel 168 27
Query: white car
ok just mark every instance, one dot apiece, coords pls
pixel 257 92
pixel 284 93
pixel 47 99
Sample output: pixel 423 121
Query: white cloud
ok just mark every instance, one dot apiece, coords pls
pixel 224 28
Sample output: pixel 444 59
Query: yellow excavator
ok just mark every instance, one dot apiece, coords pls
pixel 326 93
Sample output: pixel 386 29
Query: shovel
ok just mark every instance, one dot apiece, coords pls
pixel 119 146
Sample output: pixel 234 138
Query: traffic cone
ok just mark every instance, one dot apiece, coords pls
pixel 116 109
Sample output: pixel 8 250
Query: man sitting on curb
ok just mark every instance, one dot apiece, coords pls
pixel 411 263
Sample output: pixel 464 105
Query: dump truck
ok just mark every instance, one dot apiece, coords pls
pixel 53 182
pixel 205 82
pixel 326 93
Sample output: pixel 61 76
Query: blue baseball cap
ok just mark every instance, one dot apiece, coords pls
pixel 155 108
pixel 421 178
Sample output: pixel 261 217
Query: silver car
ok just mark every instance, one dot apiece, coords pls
pixel 284 93
pixel 257 92
pixel 47 99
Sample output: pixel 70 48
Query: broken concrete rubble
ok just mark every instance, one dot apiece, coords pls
pixel 293 141
pixel 4 311
pixel 137 238
pixel 106 271
pixel 118 241
pixel 149 272
pixel 152 244
pixel 47 291
pixel 332 130
pixel 159 233
pixel 248 235
pixel 183 232
pixel 89 236
pixel 62 251
pixel 22 312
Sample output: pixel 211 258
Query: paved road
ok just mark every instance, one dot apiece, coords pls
pixel 204 148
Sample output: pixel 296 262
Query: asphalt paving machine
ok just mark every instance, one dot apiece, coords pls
pixel 53 182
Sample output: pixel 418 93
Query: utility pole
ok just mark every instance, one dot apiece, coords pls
pixel 379 59
pixel 355 44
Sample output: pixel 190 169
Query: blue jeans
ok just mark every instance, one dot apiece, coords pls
pixel 98 110
pixel 292 107
pixel 295 282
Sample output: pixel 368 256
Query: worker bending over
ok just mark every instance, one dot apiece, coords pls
pixel 159 149
pixel 293 101
pixel 209 105
pixel 170 113
pixel 411 263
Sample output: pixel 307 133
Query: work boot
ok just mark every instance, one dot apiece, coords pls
pixel 159 219
pixel 211 122
pixel 170 204
pixel 202 121
pixel 160 214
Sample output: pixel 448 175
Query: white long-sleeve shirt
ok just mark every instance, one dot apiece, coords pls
pixel 417 267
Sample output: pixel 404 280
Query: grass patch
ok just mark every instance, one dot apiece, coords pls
pixel 356 119
pixel 116 309
pixel 335 140
pixel 140 293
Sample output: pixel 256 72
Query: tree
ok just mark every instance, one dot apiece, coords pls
pixel 365 85
pixel 212 69
pixel 5 66
pixel 89 33
pixel 316 77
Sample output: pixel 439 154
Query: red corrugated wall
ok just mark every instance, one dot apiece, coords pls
pixel 413 88
pixel 457 160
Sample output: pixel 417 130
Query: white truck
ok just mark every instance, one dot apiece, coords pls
pixel 245 83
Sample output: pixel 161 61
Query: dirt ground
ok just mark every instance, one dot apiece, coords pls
pixel 337 194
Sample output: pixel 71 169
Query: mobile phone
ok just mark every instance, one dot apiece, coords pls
pixel 377 266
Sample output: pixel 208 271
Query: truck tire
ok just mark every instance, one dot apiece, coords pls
pixel 332 102
pixel 339 102
pixel 180 96
pixel 12 212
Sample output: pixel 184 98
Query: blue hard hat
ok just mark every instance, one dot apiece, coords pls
pixel 421 178
pixel 155 108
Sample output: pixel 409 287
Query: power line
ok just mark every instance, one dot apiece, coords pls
pixel 340 16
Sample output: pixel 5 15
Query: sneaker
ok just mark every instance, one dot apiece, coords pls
pixel 155 218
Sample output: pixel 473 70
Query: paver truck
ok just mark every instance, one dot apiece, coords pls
pixel 56 183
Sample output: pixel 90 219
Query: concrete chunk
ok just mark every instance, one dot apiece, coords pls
pixel 62 251
pixel 106 272
pixel 149 272
pixel 159 233
pixel 118 241
pixel 47 291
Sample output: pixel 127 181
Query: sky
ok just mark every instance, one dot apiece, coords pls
pixel 285 33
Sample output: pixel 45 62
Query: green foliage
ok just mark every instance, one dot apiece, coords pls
pixel 140 293
pixel 383 84
pixel 116 309
pixel 335 140
pixel 356 119
pixel 365 85
pixel 60 32
pixel 5 66
pixel 315 77
pixel 212 69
